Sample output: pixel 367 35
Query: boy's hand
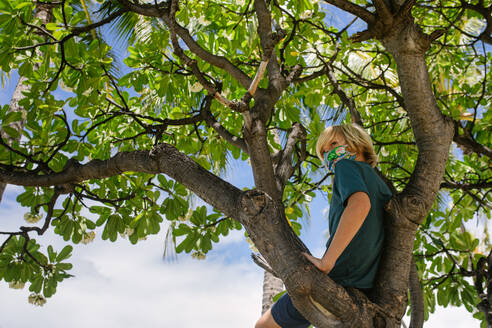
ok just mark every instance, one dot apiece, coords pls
pixel 323 267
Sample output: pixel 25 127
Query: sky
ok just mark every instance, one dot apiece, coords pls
pixel 123 285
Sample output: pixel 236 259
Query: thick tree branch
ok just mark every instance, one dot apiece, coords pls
pixel 163 158
pixel 268 40
pixel 354 9
pixel 383 12
pixel 285 168
pixel 255 135
pixel 433 132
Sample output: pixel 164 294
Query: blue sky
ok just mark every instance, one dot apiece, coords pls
pixel 123 285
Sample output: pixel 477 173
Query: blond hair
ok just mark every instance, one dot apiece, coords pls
pixel 358 141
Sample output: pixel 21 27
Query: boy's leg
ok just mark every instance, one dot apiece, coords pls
pixel 283 314
pixel 266 321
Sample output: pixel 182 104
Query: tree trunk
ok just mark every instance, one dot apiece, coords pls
pixel 44 13
pixel 271 287
pixel 433 134
pixel 416 298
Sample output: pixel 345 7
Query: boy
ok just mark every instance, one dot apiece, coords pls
pixel 355 219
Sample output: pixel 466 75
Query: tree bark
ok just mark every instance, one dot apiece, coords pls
pixel 416 298
pixel 271 287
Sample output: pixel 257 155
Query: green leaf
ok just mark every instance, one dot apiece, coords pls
pixel 51 254
pixel 52 26
pixel 36 284
pixel 65 253
pixel 64 266
pixel 11 132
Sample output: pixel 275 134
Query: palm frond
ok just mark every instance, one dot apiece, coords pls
pixel 472 26
pixel 362 63
pixel 128 27
pixel 169 252
pixel 4 77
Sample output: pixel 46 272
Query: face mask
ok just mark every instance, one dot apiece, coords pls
pixel 335 155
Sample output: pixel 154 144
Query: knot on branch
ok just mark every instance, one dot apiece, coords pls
pixel 294 73
pixel 253 202
pixel 239 106
pixel 279 35
pixel 411 207
pixel 157 149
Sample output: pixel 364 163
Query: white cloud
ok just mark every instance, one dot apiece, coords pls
pixel 455 317
pixel 121 285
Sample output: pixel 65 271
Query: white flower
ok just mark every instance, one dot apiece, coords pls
pixel 64 87
pixel 307 14
pixel 196 87
pixel 87 92
pixel 16 284
pixel 32 218
pixel 198 255
pixel 401 110
pixel 37 299
pixel 127 232
pixel 203 21
pixel 88 237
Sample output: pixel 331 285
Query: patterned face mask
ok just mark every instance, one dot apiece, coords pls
pixel 335 155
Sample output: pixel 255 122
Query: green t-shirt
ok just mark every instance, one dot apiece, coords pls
pixel 357 265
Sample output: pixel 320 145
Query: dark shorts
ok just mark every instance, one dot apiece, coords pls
pixel 286 315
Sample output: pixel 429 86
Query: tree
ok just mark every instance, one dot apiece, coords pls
pixel 255 80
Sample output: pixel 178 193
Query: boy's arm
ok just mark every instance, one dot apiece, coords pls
pixel 358 206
